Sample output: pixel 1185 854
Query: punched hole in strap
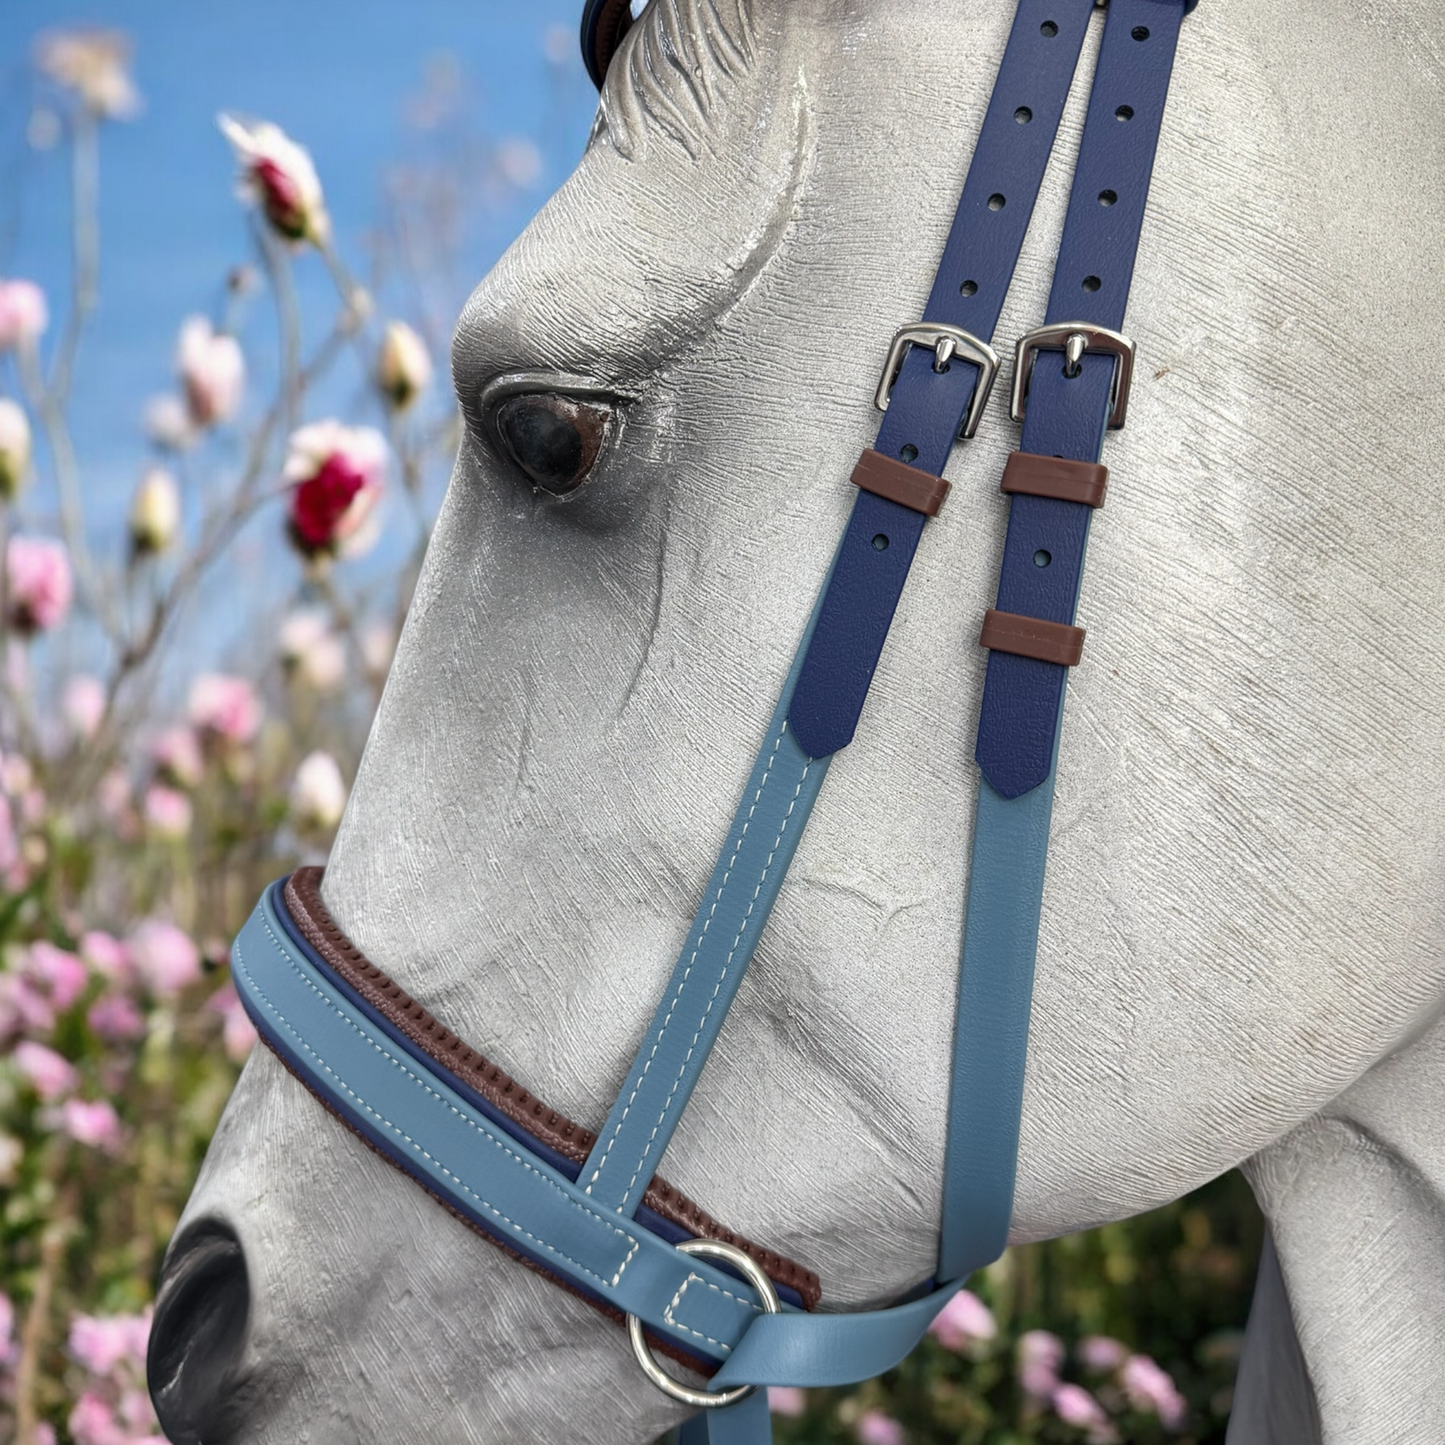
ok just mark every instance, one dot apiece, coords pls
pixel 1056 642
pixel 898 482
pixel 1057 478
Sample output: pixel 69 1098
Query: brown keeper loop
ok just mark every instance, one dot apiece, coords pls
pixel 1032 637
pixel 1055 477
pixel 899 482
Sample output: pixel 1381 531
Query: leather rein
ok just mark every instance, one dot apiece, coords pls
pixel 590 1211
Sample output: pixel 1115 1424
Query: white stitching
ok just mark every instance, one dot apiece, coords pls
pixel 722 976
pixel 682 982
pixel 471 1123
pixel 676 1323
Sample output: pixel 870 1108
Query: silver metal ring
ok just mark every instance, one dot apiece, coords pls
pixel 705 1399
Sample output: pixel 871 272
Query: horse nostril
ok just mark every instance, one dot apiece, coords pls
pixel 198 1333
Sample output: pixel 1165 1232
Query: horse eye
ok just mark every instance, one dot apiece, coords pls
pixel 553 439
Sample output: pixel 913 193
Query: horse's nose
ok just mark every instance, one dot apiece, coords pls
pixel 198 1334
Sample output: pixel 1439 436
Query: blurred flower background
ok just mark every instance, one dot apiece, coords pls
pixel 224 433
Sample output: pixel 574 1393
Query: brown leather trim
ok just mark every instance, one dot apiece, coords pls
pixel 885 477
pixel 1056 477
pixel 1032 637
pixel 303 899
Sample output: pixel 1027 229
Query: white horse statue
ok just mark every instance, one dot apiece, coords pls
pixel 1242 956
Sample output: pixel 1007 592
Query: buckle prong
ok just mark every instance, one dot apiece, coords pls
pixel 946 342
pixel 1075 338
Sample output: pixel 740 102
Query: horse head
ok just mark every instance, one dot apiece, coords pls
pixel 666 382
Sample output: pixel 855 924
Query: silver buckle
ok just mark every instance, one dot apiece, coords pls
pixel 1074 338
pixel 946 342
pixel 752 1271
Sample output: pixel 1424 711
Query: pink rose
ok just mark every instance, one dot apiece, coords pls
pixel 787 1400
pixel 60 974
pixel 46 1072
pixel 167 812
pixel 23 314
pixel 166 959
pixel 238 1033
pixel 177 755
pixel 108 956
pixel 83 705
pixel 336 476
pixel 104 1343
pixel 279 177
pixel 962 1321
pixel 1075 1406
pixel 23 1008
pixel 39 584
pixel 212 371
pixel 115 1018
pixel 225 707
pixel 92 1422
pixel 1040 1355
pixel 93 1124
pixel 1102 1354
pixel 1151 1390
pixel 876 1428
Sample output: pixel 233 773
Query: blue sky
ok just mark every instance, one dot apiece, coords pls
pixel 341 78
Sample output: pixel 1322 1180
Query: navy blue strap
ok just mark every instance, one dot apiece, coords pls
pixel 1041 573
pixel 1043 563
pixel 927 407
pixel 1013 151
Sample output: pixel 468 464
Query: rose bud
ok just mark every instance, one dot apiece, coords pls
pixel 14 449
pixel 155 512
pixel 335 472
pixel 39 585
pixel 212 371
pixel 318 796
pixel 277 175
pixel 403 368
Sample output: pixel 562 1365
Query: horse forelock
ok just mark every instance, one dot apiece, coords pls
pixel 672 71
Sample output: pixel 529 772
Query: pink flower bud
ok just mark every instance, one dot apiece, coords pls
pixel 311 652
pixel 92 1422
pixel 277 175
pixel 964 1320
pixel 1150 1389
pixel 318 796
pixel 108 956
pixel 155 512
pixel 787 1400
pixel 178 758
pixel 876 1428
pixel 212 371
pixel 1075 1406
pixel 403 368
pixel 14 449
pixel 58 974
pixel 92 64
pixel 1040 1355
pixel 225 707
pixel 167 422
pixel 93 1124
pixel 83 704
pixel 335 472
pixel 1102 1354
pixel 115 1018
pixel 238 1033
pixel 39 584
pixel 167 813
pixel 46 1072
pixel 165 958
pixel 23 314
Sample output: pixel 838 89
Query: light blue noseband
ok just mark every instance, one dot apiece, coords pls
pixel 1072 383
